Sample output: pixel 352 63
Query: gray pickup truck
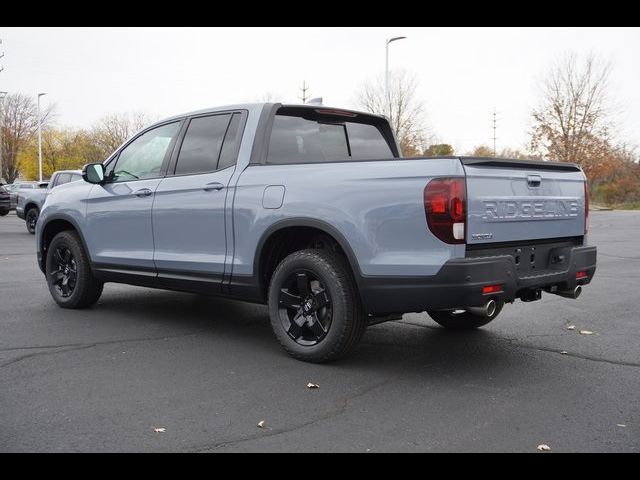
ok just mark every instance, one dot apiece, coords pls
pixel 313 211
pixel 29 201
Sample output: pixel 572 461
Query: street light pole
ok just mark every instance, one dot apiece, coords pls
pixel 2 95
pixel 40 138
pixel 387 99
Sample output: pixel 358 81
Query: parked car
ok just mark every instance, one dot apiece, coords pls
pixel 30 201
pixel 13 189
pixel 312 211
pixel 5 201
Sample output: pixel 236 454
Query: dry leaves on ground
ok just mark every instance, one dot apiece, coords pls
pixel 261 424
pixel 312 385
pixel 159 429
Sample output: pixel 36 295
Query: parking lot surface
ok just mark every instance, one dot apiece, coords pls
pixel 149 370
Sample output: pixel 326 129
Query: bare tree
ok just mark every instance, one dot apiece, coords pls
pixel 113 130
pixel 19 123
pixel 404 110
pixel 573 122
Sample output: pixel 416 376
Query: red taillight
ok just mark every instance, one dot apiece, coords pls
pixel 580 275
pixel 491 289
pixel 444 206
pixel 586 208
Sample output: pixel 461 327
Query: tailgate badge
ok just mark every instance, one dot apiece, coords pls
pixel 482 236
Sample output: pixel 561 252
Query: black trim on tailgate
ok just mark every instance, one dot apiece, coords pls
pixel 526 164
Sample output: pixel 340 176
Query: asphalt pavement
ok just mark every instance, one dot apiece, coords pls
pixel 149 370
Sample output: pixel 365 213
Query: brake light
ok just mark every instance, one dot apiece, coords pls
pixel 444 206
pixel 586 208
pixel 580 275
pixel 333 111
pixel 491 289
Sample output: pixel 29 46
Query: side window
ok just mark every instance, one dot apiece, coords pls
pixel 231 141
pixel 75 177
pixel 202 143
pixel 143 157
pixel 61 179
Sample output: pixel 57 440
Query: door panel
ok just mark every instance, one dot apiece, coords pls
pixel 120 233
pixel 189 208
pixel 189 226
pixel 119 219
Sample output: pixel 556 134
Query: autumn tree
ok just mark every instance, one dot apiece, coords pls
pixel 572 123
pixel 403 108
pixel 19 123
pixel 113 130
pixel 62 149
pixel 438 150
pixel 481 151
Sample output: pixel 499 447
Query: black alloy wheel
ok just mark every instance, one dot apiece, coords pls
pixel 305 308
pixel 64 273
pixel 31 219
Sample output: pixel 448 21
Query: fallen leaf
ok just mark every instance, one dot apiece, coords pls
pixel 571 327
pixel 564 352
pixel 586 332
pixel 544 448
pixel 261 424
pixel 159 429
pixel 312 385
pixel 622 425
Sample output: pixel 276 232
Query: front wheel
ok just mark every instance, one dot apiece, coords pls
pixel 68 271
pixel 314 306
pixel 464 319
pixel 31 218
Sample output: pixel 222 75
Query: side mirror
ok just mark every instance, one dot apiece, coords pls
pixel 93 173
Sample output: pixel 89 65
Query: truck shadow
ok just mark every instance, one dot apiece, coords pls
pixel 399 347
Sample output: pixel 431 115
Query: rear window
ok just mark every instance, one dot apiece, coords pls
pixel 297 139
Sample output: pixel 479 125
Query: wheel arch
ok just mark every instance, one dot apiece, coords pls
pixel 290 225
pixel 51 228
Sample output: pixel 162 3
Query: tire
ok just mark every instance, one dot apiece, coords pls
pixel 3 213
pixel 64 256
pixel 463 320
pixel 330 321
pixel 31 218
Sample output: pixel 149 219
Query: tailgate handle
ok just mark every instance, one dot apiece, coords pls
pixel 534 180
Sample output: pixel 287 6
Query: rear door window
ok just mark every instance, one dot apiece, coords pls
pixel 202 144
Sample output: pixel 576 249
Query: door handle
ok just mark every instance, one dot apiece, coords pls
pixel 534 180
pixel 213 186
pixel 143 192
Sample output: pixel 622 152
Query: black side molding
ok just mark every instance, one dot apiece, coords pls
pixel 526 164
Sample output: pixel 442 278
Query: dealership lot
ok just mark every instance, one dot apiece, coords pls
pixel 148 370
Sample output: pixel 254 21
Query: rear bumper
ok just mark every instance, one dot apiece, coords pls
pixel 459 283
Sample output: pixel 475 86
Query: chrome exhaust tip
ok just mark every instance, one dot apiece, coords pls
pixel 574 294
pixel 486 310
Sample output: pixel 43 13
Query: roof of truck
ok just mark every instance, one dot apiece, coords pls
pixel 260 106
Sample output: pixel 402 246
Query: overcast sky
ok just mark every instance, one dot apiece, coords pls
pixel 464 73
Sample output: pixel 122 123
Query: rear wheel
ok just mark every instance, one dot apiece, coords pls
pixel 31 218
pixel 464 319
pixel 314 306
pixel 68 271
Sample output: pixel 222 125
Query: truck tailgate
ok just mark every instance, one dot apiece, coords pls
pixel 513 200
